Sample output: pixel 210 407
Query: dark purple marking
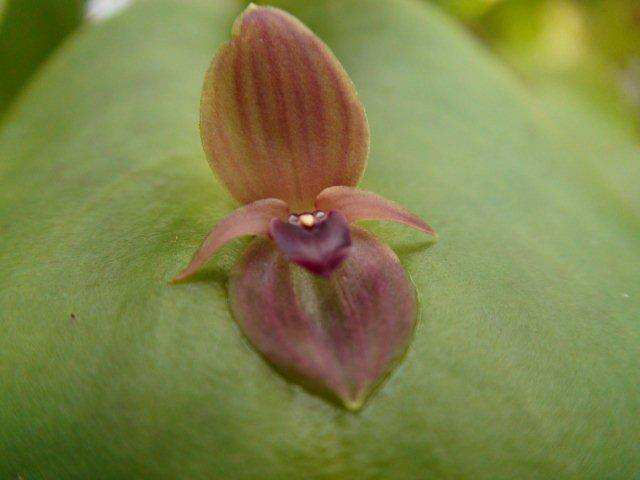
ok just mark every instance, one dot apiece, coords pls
pixel 320 249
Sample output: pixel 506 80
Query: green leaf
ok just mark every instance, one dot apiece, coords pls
pixel 525 362
pixel 30 30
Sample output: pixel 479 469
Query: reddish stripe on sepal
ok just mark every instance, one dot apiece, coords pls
pixel 356 204
pixel 280 117
pixel 339 336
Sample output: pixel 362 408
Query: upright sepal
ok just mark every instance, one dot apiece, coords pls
pixel 279 115
pixel 338 336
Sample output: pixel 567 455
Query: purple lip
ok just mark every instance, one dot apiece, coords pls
pixel 320 248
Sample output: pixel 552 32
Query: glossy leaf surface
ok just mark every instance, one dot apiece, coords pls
pixel 338 336
pixel 524 363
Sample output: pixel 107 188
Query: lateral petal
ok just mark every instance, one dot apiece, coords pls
pixel 356 204
pixel 252 219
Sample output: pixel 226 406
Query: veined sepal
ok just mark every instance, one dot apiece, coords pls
pixel 338 336
pixel 279 116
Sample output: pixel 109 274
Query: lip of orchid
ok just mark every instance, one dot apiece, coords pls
pixel 319 245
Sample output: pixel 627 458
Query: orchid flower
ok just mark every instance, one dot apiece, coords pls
pixel 283 129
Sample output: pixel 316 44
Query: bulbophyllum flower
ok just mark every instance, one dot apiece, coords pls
pixel 283 129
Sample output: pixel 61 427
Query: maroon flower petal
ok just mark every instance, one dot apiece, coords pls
pixel 279 115
pixel 338 336
pixel 252 219
pixel 320 248
pixel 356 204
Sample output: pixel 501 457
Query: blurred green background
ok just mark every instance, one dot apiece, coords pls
pixel 581 54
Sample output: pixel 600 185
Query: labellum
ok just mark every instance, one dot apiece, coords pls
pixel 325 302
